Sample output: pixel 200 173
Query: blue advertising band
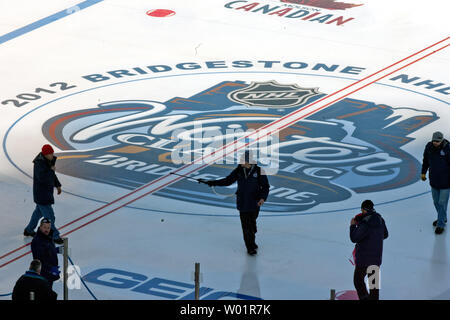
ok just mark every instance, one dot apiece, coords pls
pixel 54 17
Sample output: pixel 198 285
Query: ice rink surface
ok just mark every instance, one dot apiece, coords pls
pixel 107 83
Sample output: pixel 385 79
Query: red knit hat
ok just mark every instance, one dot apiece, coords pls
pixel 47 149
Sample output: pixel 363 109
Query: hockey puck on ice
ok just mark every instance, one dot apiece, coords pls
pixel 160 13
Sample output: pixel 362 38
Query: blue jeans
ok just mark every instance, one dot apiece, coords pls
pixel 440 199
pixel 45 211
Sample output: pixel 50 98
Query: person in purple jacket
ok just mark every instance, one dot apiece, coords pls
pixel 367 230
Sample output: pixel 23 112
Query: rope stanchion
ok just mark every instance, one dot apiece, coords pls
pixel 332 294
pixel 197 280
pixel 65 266
pixel 82 281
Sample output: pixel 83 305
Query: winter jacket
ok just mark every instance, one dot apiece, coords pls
pixel 33 282
pixel 368 234
pixel 44 249
pixel 437 160
pixel 44 180
pixel 252 187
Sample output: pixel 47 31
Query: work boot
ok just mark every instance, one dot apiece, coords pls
pixel 435 222
pixel 439 230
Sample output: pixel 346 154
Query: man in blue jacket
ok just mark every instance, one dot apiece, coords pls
pixel 252 192
pixel 32 281
pixel 367 230
pixel 44 183
pixel 436 159
pixel 43 249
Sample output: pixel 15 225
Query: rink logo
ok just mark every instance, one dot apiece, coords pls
pixel 296 10
pixel 325 4
pixel 272 95
pixel 352 146
pixel 158 287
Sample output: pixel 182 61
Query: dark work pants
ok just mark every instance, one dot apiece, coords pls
pixel 248 223
pixel 360 285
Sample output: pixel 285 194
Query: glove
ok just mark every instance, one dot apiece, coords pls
pixel 423 177
pixel 60 249
pixel 55 271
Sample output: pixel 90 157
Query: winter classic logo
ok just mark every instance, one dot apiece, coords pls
pixel 353 146
pixel 302 10
pixel 121 134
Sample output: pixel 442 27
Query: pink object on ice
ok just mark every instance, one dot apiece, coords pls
pixel 347 295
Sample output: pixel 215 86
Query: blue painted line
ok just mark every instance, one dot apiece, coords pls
pixel 188 198
pixel 54 17
pixel 236 215
pixel 6 295
pixel 5 138
pixel 197 193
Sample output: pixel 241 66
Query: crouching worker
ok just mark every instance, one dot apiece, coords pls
pixel 32 285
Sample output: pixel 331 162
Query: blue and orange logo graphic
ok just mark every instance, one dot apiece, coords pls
pixel 353 146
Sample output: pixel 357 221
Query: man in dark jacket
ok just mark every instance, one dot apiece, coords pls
pixel 252 192
pixel 436 158
pixel 44 182
pixel 43 248
pixel 367 230
pixel 32 281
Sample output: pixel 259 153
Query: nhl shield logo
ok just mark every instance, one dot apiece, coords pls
pixel 273 95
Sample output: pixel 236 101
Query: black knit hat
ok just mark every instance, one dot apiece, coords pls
pixel 367 205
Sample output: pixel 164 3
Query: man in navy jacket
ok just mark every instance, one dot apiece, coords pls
pixel 44 183
pixel 436 159
pixel 367 230
pixel 43 249
pixel 32 281
pixel 252 192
